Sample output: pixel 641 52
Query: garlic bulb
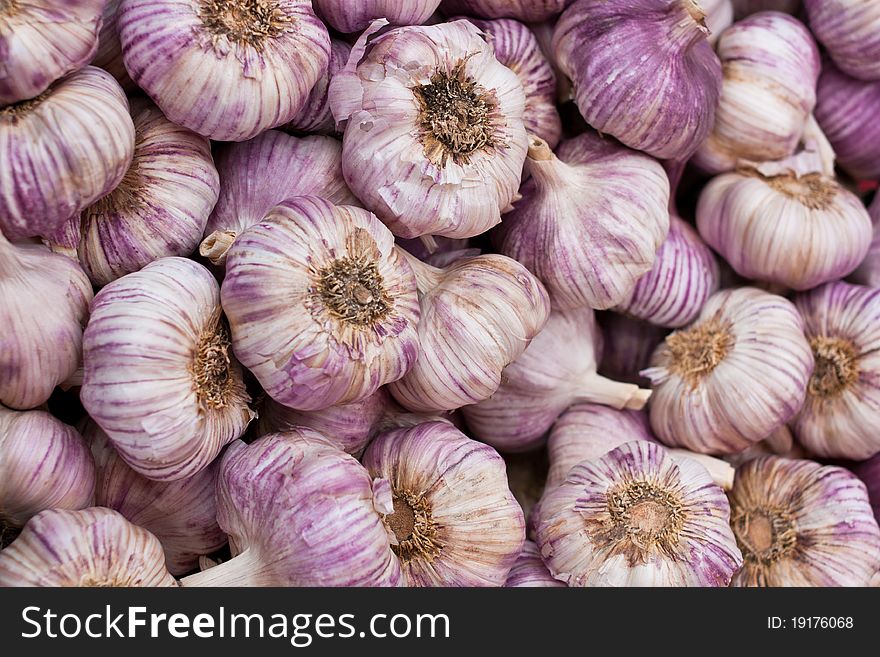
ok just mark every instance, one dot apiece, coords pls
pixel 454 520
pixel 685 274
pixel 732 377
pixel 743 8
pixel 109 54
pixel 434 142
pixel 556 370
pixel 258 174
pixel 771 65
pixel 529 11
pixel 43 41
pixel 44 464
pixel 517 48
pixel 478 315
pixel 590 222
pixel 869 472
pixel 226 69
pixel 868 273
pixel 71 144
pixel 346 16
pixel 637 517
pixel 628 344
pixel 160 207
pixel 44 309
pixel 300 512
pixel 529 570
pixel 842 411
pixel 850 31
pixel 315 115
pixel 159 376
pixel 719 16
pixel 609 50
pixel 777 224
pixel 181 514
pixel 799 523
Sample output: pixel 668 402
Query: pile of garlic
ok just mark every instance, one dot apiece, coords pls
pixel 439 293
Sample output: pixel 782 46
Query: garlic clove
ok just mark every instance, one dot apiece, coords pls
pixel 159 376
pixel 799 523
pixel 94 547
pixel 850 31
pixel 109 54
pixel 529 570
pixel 528 11
pixel 350 17
pixel 315 116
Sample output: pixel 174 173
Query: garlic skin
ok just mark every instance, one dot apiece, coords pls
pixel 528 11
pixel 732 377
pixel 869 472
pixel 181 514
pixel 346 16
pixel 300 512
pixel 72 145
pixel 868 273
pixel 315 116
pixel 159 376
pixel 45 307
pixel 435 142
pixel 529 570
pixel 850 31
pixel 490 303
pixel 94 547
pixel 109 54
pixel 609 50
pixel 42 41
pixel 719 16
pixel 226 70
pixel 454 520
pixel 590 221
pixel 637 517
pixel 743 8
pixel 557 369
pixel 685 274
pixel 771 65
pixel 628 346
pixel 258 174
pixel 841 413
pixel 799 523
pixel 323 308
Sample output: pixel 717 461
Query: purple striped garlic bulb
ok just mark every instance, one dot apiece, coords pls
pixel 638 517
pixel 685 274
pixel 868 273
pixel 732 377
pixel 160 378
pixel 610 52
pixel 71 144
pixel 529 570
pixel 850 32
pixel 771 65
pixel 94 547
pixel 315 116
pixel 258 174
pixel 45 306
pixel 719 16
pixel 454 521
pixel 109 54
pixel 590 221
pixel 44 464
pixel 322 306
pixel 434 141
pixel 869 472
pixel 300 512
pixel 628 344
pixel 226 69
pixel 529 11
pixel 841 413
pixel 478 315
pixel 42 41
pixel 182 514
pixel 557 369
pixel 346 16
pixel 799 523
pixel 160 207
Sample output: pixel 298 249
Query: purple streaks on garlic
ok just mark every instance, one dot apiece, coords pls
pixel 347 16
pixel 315 116
pixel 530 11
pixel 850 31
pixel 529 570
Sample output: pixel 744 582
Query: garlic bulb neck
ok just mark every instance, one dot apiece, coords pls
pixel 764 534
pixel 352 290
pixel 697 351
pixel 539 150
pixel 692 25
pixel 649 515
pixel 427 276
pixel 243 569
pixel 599 390
pixel 414 527
pixel 216 245
pixel 836 366
pixel 210 368
pixel 244 22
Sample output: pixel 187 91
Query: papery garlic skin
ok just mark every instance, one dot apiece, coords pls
pixel 732 377
pixel 315 116
pixel 799 523
pixel 850 31
pixel 609 50
pixel 94 547
pixel 322 306
pixel 868 273
pixel 181 514
pixel 628 346
pixel 45 307
pixel 869 472
pixel 345 16
pixel 842 410
pixel 637 517
pixel 300 512
pixel 71 145
pixel 454 520
pixel 435 142
pixel 590 222
pixel 225 70
pixel 159 376
pixel 529 570
pixel 109 54
pixel 719 16
pixel 529 11
pixel 771 64
pixel 794 230
pixel 42 41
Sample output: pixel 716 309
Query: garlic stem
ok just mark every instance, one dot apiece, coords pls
pixel 599 390
pixel 216 245
pixel 244 569
pixel 430 243
pixel 817 143
pixel 539 150
pixel 427 276
pixel 721 471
